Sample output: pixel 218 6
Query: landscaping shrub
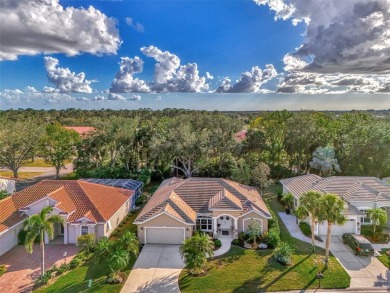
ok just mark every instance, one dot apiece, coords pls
pixel 3 194
pixel 87 242
pixel 273 237
pixel 76 262
pixel 141 200
pixel 274 221
pixel 3 270
pixel 217 243
pixel 145 175
pixel 305 228
pixel 236 242
pixel 283 253
pixel 63 268
pixel 242 236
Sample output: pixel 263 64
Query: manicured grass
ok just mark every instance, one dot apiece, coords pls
pixel 242 270
pixel 70 176
pixel 22 175
pixel 77 279
pixel 38 162
pixel 384 258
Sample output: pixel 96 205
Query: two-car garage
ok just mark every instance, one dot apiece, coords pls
pixel 164 235
pixel 338 230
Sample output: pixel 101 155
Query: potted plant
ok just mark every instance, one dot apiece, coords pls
pixel 288 200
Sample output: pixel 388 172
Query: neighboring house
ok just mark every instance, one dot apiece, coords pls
pixel 86 208
pixel 7 184
pixel 214 205
pixel 130 184
pixel 83 131
pixel 240 136
pixel 359 194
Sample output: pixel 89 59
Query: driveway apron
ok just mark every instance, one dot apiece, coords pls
pixel 156 270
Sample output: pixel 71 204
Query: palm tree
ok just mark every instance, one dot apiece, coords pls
pixel 332 210
pixel 324 160
pixel 118 260
pixel 36 226
pixel 311 202
pixel 378 217
pixel 288 200
pixel 195 250
pixel 129 242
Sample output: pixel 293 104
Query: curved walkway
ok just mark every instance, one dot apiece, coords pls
pixel 225 247
pixel 365 272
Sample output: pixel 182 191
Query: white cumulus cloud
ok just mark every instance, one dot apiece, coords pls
pixel 65 80
pixel 31 27
pixel 124 82
pixel 249 82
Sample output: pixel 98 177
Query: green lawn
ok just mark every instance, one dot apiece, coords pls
pixel 22 175
pixel 38 162
pixel 77 279
pixel 242 270
pixel 384 258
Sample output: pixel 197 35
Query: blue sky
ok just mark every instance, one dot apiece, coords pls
pixel 249 48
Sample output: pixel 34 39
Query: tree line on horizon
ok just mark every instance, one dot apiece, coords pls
pixel 146 144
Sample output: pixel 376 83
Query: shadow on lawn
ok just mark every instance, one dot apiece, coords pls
pixel 271 266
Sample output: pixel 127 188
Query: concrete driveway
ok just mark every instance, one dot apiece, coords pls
pixel 365 271
pixel 156 270
pixel 23 268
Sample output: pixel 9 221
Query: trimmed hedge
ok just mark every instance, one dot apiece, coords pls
pixel 305 228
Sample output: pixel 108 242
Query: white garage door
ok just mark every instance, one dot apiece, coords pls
pixel 7 241
pixel 348 227
pixel 164 235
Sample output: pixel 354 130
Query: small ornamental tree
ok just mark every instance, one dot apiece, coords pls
pixel 254 231
pixel 195 251
pixel 378 217
pixel 87 242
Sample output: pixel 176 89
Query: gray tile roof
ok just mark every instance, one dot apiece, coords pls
pixel 350 188
pixel 187 197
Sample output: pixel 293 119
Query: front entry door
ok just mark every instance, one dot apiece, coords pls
pixel 225 222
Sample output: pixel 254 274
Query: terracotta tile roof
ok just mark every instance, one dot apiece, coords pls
pixel 188 197
pixel 77 198
pixel 81 130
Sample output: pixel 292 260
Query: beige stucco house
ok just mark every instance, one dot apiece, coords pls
pixel 86 208
pixel 218 206
pixel 358 193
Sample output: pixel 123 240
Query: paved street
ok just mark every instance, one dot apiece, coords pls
pixel 156 270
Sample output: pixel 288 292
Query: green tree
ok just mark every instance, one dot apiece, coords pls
pixel 19 141
pixel 288 200
pixel 59 145
pixel 3 194
pixel 117 253
pixel 254 231
pixel 311 202
pixel 378 217
pixel 195 251
pixel 87 242
pixel 332 211
pixel 36 226
pixel 260 175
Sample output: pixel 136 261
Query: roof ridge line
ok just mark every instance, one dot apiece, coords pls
pixel 91 201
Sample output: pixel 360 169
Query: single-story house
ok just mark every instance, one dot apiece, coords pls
pixel 359 194
pixel 181 206
pixel 86 208
pixel 7 184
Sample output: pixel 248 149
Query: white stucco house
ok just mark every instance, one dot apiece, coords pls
pixel 7 184
pixel 86 207
pixel 359 194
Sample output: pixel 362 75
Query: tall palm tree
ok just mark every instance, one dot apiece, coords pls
pixel 195 250
pixel 378 217
pixel 311 202
pixel 36 226
pixel 129 242
pixel 118 261
pixel 332 210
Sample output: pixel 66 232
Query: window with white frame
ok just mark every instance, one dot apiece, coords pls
pixel 366 219
pixel 204 223
pixel 84 230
